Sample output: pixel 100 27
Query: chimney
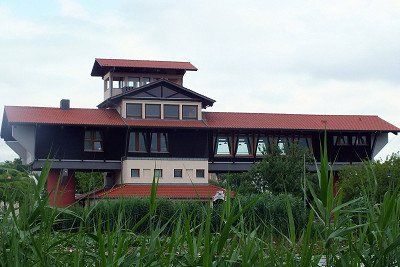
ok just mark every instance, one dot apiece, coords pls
pixel 64 104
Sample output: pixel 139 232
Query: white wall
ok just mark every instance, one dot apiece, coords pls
pixel 381 141
pixel 25 136
pixel 147 166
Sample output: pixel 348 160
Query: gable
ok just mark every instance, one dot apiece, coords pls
pixel 159 90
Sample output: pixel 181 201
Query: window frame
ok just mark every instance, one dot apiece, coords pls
pixel 158 144
pixel 138 171
pixel 203 173
pixel 137 142
pixel 134 104
pixel 190 118
pixel 229 143
pixel 181 173
pixel 152 117
pixel 355 140
pixel 93 139
pixel 248 140
pixel 169 117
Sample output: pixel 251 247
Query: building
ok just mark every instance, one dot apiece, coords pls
pixel 149 124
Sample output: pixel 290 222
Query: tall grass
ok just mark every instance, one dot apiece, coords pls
pixel 354 233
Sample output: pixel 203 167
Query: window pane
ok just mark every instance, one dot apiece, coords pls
pixel 97 136
pixel 132 142
pixel 158 173
pixel 163 142
pixel 200 173
pixel 134 110
pixel 145 80
pixel 88 145
pixel 142 143
pixel 303 142
pixel 281 146
pixel 262 146
pixel 133 82
pixel 178 173
pixel 88 135
pixel 223 146
pixel 97 146
pixel 171 111
pixel 135 173
pixel 189 112
pixel 117 82
pixel 153 111
pixel 137 142
pixel 154 142
pixel 243 146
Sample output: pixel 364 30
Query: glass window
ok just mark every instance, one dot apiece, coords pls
pixel 153 111
pixel 359 140
pixel 117 82
pixel 159 142
pixel 135 173
pixel 200 173
pixel 189 112
pixel 144 80
pixel 171 112
pixel 281 142
pixel 305 142
pixel 93 141
pixel 262 146
pixel 342 140
pixel 158 173
pixel 107 82
pixel 177 173
pixel 243 145
pixel 223 145
pixel 133 82
pixel 134 110
pixel 137 142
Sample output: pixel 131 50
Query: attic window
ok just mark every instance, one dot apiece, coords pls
pixel 153 111
pixel 134 110
pixel 189 112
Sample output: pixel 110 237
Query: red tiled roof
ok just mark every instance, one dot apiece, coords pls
pixel 72 116
pixel 235 120
pixel 131 63
pixel 178 191
pixel 213 120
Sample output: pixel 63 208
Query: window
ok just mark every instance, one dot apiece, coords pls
pixel 107 83
pixel 137 142
pixel 177 173
pixel 133 82
pixel 262 146
pixel 134 110
pixel 144 80
pixel 153 111
pixel 305 142
pixel 342 140
pixel 159 143
pixel 200 173
pixel 117 82
pixel 189 112
pixel 282 145
pixel 135 173
pixel 223 146
pixel 359 140
pixel 93 141
pixel 171 112
pixel 158 173
pixel 243 145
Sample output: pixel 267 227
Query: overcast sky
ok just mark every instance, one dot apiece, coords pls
pixel 264 56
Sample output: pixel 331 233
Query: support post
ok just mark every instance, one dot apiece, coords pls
pixel 61 187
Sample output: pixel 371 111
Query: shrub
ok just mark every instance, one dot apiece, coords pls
pixel 88 181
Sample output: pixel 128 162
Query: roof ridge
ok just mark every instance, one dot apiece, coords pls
pixel 280 113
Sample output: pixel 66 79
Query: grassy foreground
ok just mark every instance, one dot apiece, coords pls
pixel 359 232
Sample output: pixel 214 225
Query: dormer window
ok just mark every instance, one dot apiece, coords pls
pixel 189 112
pixel 171 112
pixel 134 110
pixel 153 111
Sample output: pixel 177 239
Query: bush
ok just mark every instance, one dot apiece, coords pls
pixel 88 181
pixel 375 177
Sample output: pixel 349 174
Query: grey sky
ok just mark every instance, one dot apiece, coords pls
pixel 264 56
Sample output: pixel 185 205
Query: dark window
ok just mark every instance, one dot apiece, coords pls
pixel 137 142
pixel 171 112
pixel 135 173
pixel 342 140
pixel 359 140
pixel 223 146
pixel 177 173
pixel 159 142
pixel 134 110
pixel 153 111
pixel 282 144
pixel 93 141
pixel 144 80
pixel 200 173
pixel 158 173
pixel 189 112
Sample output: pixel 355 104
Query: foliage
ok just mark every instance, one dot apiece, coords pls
pixel 386 176
pixel 276 173
pixel 88 181
pixel 13 169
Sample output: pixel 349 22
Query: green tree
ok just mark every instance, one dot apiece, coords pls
pixel 88 181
